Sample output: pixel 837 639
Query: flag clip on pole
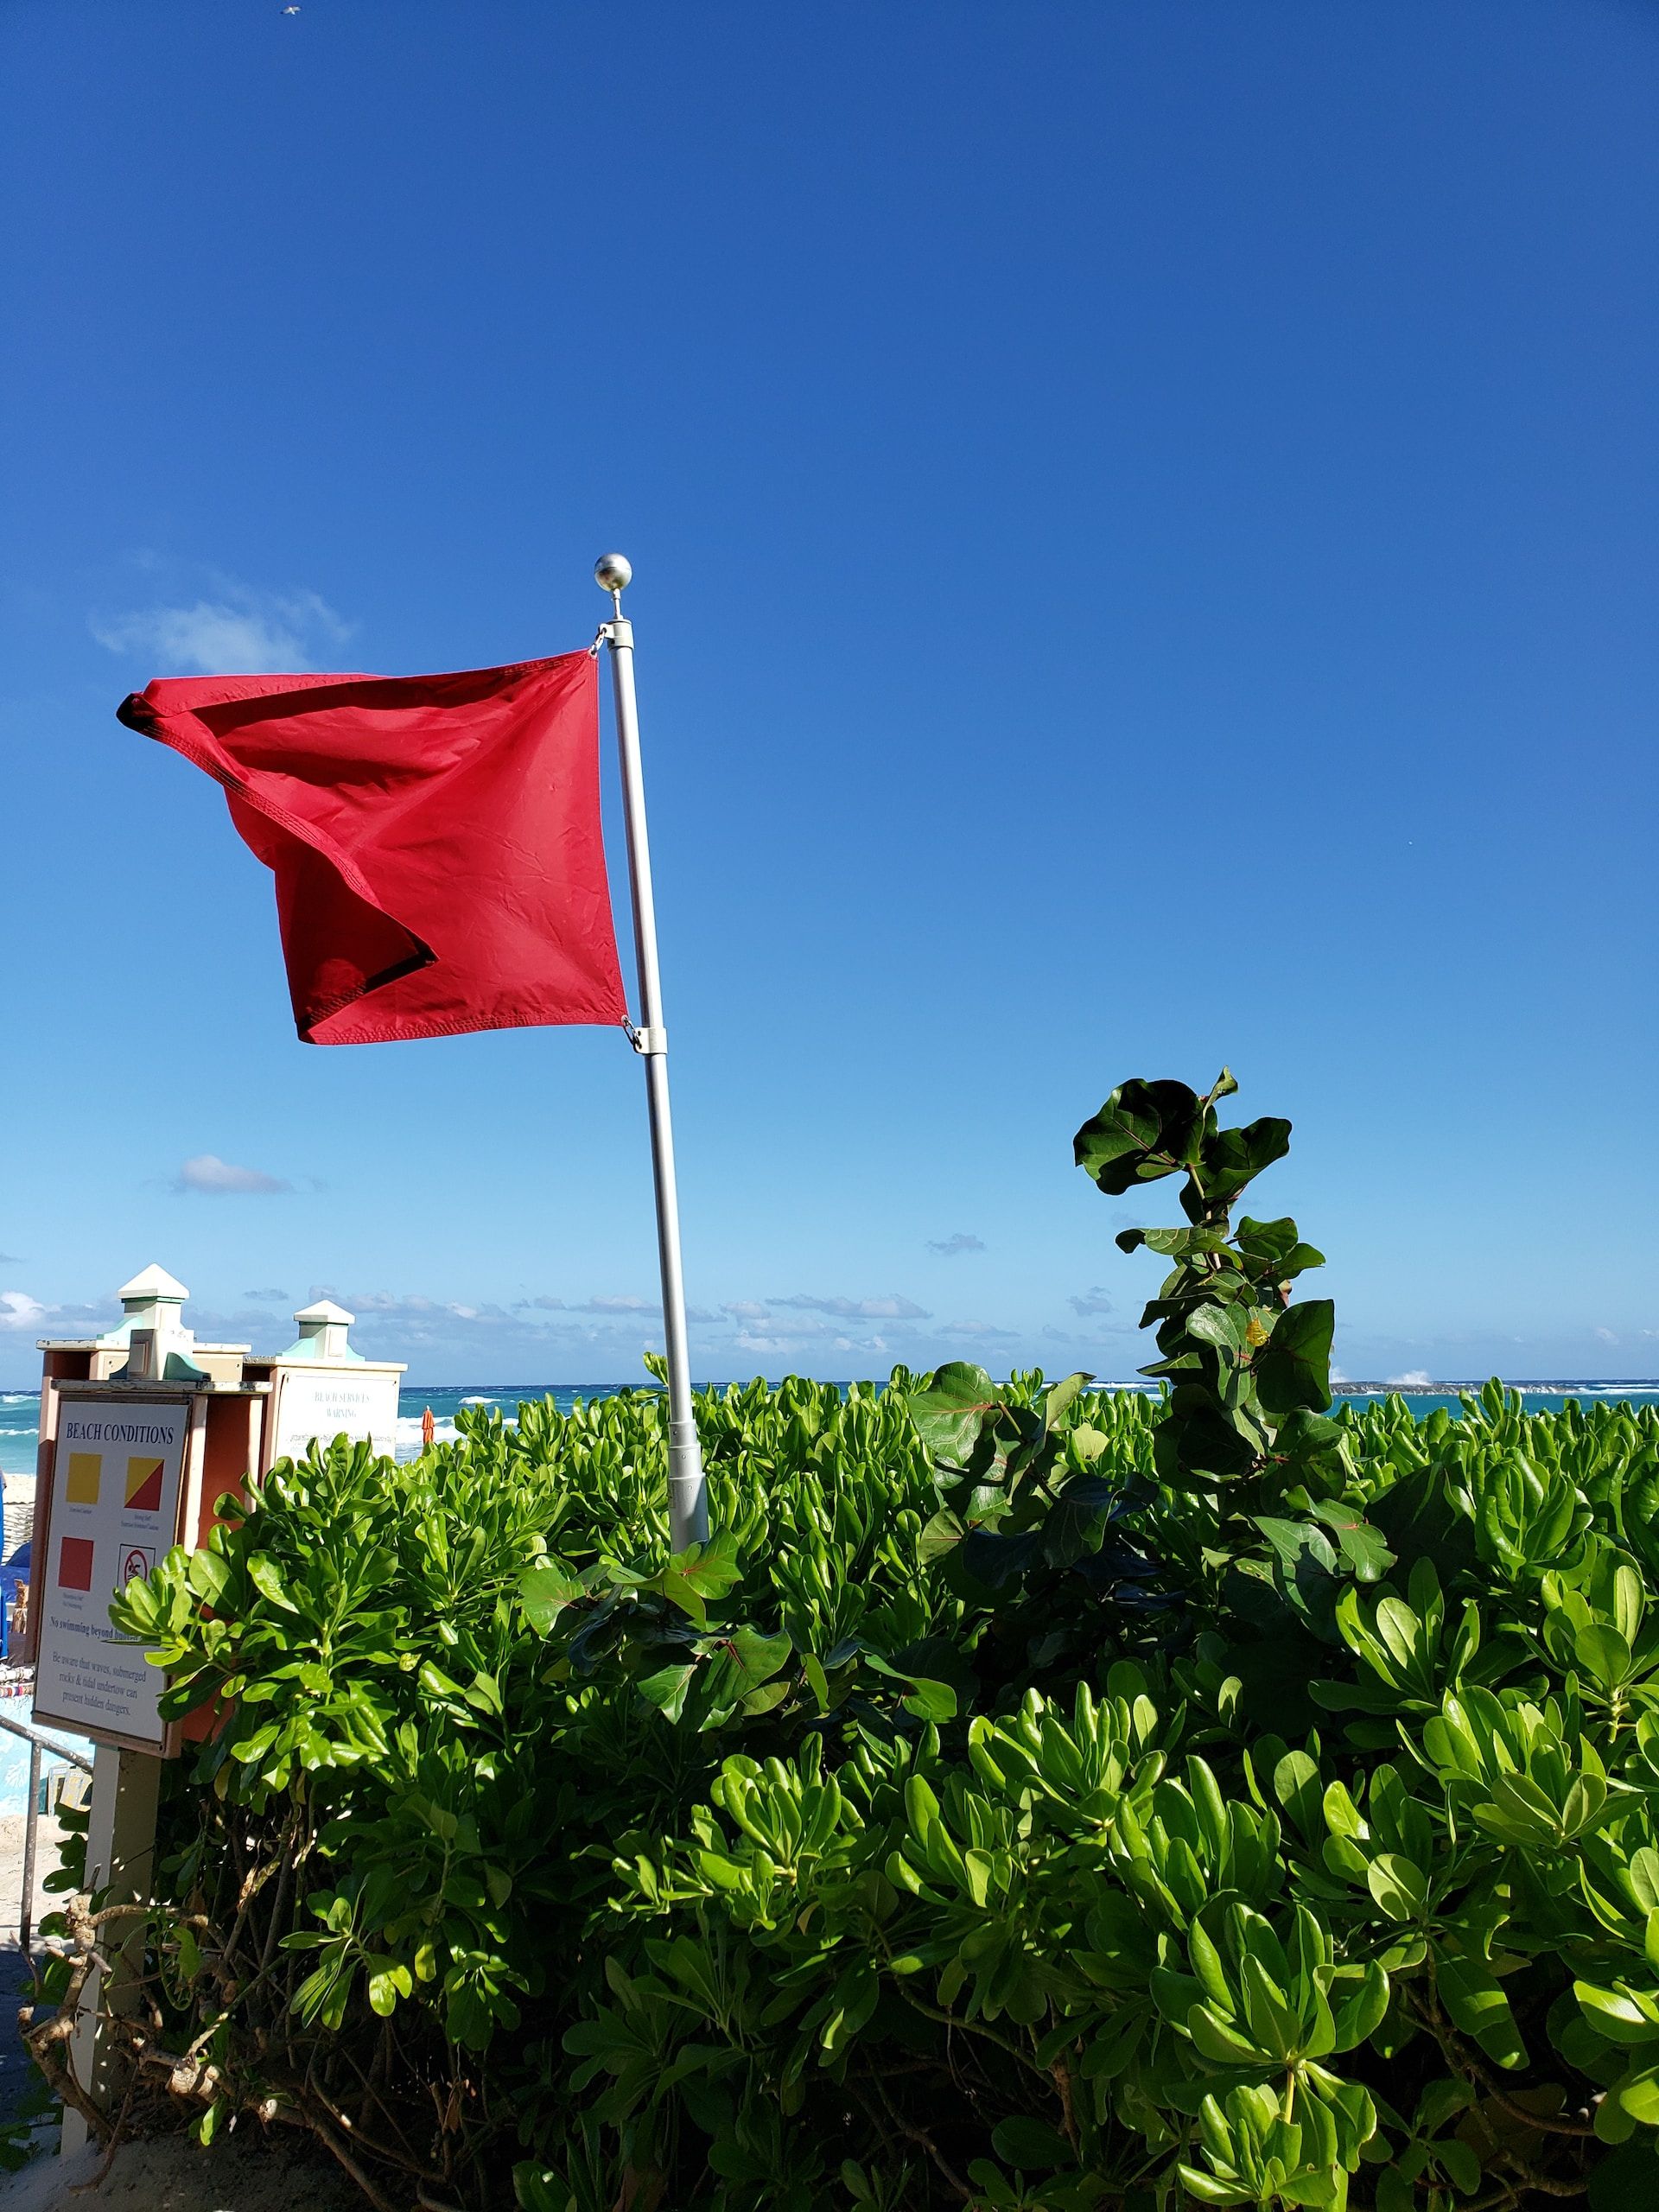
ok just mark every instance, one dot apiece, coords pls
pixel 687 1497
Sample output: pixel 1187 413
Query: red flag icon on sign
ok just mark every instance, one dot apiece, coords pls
pixel 75 1556
pixel 436 839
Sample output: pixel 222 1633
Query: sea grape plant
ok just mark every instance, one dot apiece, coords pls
pixel 1245 1367
pixel 1268 1527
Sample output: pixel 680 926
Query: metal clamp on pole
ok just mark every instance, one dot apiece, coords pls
pixel 688 1489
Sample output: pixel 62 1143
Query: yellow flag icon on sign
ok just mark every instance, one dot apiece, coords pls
pixel 81 1486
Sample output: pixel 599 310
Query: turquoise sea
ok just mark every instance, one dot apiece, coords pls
pixel 20 1409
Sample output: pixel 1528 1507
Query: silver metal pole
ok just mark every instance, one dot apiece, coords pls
pixel 26 1918
pixel 688 1489
pixel 32 1735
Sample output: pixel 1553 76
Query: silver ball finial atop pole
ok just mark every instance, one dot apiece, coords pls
pixel 613 574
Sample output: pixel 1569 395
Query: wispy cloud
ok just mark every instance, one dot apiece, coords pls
pixel 237 630
pixel 892 1308
pixel 529 1338
pixel 1093 1301
pixel 543 1320
pixel 947 1247
pixel 624 1305
pixel 266 1297
pixel 389 1306
pixel 215 1178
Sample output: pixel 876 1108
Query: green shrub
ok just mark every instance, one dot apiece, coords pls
pixel 1031 1797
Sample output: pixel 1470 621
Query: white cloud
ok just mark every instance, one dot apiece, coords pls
pixel 1414 1378
pixel 216 1179
pixel 893 1308
pixel 986 1332
pixel 238 631
pixel 745 1309
pixel 19 1310
pixel 1606 1336
pixel 1093 1301
pixel 948 1247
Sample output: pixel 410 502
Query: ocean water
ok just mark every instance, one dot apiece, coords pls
pixel 20 1409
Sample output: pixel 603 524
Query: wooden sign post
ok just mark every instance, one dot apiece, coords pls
pixel 143 1432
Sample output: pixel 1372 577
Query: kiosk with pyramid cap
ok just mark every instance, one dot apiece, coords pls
pixel 143 1431
pixel 322 1387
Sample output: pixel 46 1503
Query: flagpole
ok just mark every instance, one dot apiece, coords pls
pixel 688 1489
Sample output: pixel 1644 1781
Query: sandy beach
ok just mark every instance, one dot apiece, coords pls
pixel 173 2174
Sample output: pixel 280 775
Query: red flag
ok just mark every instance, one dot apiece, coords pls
pixel 436 839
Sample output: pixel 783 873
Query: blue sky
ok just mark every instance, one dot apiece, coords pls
pixel 1144 520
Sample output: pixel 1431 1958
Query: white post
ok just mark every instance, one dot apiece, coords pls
pixel 31 1835
pixel 687 1497
pixel 120 1862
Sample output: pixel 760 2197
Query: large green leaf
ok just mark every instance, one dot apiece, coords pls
pixel 667 1689
pixel 1275 1250
pixel 1361 1545
pixel 950 1413
pixel 1476 2003
pixel 1144 1131
pixel 1293 1368
pixel 1030 2146
pixel 545 1590
pixel 1233 1158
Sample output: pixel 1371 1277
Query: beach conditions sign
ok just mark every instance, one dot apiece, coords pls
pixel 114 1511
